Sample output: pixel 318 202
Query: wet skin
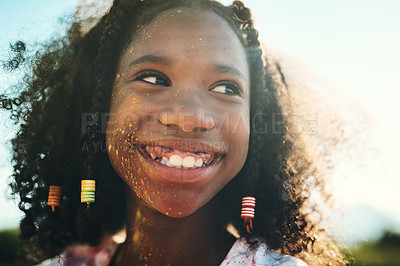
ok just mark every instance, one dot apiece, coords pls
pixel 183 83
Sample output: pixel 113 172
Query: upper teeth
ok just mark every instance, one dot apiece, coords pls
pixel 178 159
pixel 179 162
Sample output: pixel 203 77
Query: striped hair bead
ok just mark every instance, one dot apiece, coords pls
pixel 54 199
pixel 88 190
pixel 248 211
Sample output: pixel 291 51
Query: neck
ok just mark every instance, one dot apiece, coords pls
pixel 156 239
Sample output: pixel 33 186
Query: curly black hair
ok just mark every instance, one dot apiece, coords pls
pixel 74 75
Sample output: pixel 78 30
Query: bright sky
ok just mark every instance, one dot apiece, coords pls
pixel 353 45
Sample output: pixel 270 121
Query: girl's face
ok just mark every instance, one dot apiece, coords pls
pixel 179 125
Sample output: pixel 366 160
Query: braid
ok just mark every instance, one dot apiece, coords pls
pixel 104 64
pixel 89 227
pixel 251 172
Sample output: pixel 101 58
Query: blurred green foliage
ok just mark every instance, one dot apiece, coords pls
pixel 10 248
pixel 384 252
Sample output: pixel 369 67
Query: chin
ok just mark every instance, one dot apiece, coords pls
pixel 179 208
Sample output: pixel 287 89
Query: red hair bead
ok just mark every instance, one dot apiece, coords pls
pixel 248 211
pixel 54 197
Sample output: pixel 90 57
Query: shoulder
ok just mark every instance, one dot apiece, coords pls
pixel 56 261
pixel 240 254
pixel 84 255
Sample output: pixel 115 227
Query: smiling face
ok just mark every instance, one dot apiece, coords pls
pixel 179 119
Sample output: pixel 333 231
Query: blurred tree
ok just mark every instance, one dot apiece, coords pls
pixel 384 252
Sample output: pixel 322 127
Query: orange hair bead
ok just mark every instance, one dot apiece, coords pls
pixel 54 199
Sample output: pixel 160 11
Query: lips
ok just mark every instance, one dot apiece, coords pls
pixel 169 171
pixel 157 151
pixel 179 158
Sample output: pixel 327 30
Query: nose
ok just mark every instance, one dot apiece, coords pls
pixel 187 117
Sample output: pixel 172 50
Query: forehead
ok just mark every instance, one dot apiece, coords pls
pixel 189 33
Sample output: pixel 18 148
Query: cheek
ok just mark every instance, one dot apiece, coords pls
pixel 126 161
pixel 124 121
pixel 129 121
pixel 235 128
pixel 237 132
pixel 122 130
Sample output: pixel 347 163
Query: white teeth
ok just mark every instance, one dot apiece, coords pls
pixel 199 163
pixel 176 160
pixel 188 161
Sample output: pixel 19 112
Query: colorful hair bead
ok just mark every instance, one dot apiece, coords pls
pixel 54 197
pixel 248 211
pixel 88 189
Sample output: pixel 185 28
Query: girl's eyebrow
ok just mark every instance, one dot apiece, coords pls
pixel 152 58
pixel 221 69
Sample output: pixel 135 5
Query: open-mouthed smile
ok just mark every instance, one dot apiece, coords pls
pixel 178 158
pixel 178 165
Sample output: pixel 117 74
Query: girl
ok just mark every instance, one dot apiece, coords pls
pixel 162 118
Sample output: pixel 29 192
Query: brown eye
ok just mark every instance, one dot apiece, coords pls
pixel 155 81
pixel 228 89
pixel 153 78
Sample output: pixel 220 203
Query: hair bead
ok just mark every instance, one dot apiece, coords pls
pixel 88 190
pixel 54 199
pixel 248 211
